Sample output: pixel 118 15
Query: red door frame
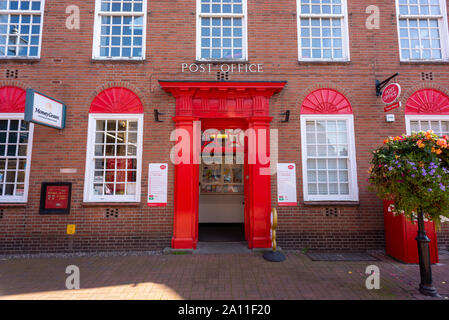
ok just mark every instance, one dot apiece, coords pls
pixel 233 101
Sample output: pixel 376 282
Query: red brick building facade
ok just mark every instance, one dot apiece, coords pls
pixel 71 64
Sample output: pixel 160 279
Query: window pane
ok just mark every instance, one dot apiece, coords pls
pixel 122 36
pixel 115 161
pixel 320 7
pixel 440 127
pixel 221 35
pixel 223 39
pixel 321 37
pixel 420 39
pixel 327 157
pixel 121 5
pixel 13 157
pixel 312 188
pixel 16 28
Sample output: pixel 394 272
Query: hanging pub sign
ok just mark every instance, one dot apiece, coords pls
pixel 55 197
pixel 286 176
pixel 157 185
pixel 44 110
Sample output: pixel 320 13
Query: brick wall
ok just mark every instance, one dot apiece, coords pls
pixel 67 72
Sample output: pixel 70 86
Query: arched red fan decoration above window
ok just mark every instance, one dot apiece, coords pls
pixel 12 99
pixel 427 101
pixel 326 101
pixel 116 100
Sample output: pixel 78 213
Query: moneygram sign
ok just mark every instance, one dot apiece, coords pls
pixel 44 110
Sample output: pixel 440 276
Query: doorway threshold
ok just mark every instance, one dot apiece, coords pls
pixel 204 247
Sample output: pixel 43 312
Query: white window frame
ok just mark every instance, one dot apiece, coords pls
pixel 352 166
pixel 24 198
pixel 97 31
pixel 244 17
pixel 90 155
pixel 27 12
pixel 344 29
pixel 442 23
pixel 422 117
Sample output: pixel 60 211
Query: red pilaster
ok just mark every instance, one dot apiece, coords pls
pixel 185 220
pixel 259 182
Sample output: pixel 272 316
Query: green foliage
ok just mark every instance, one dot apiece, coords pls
pixel 413 171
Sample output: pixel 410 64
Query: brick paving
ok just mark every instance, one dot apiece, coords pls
pixel 213 276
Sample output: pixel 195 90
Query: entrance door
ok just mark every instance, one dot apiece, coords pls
pixel 221 213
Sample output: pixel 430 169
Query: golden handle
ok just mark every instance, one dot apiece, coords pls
pixel 274 224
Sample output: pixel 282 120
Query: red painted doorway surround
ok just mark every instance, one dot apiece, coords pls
pixel 235 102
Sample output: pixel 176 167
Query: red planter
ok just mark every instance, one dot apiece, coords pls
pixel 400 237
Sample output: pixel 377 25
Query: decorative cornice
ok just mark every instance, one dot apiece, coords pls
pixel 222 99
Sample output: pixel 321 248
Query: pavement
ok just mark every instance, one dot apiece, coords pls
pixel 235 276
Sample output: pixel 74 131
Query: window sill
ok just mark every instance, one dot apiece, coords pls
pixel 332 203
pixel 324 62
pixel 19 60
pixel 439 62
pixel 12 204
pixel 212 61
pixel 124 61
pixel 111 204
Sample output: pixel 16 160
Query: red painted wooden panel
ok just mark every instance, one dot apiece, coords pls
pixel 12 99
pixel 116 100
pixel 326 101
pixel 427 101
pixel 400 237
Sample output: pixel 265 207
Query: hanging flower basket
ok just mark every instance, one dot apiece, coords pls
pixel 413 172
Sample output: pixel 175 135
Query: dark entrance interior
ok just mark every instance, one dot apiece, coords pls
pixel 221 232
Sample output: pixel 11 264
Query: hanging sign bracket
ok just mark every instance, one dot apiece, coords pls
pixel 381 85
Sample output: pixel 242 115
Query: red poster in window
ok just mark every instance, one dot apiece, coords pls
pixel 57 197
pixel 120 171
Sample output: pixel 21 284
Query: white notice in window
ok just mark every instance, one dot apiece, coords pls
pixel 286 174
pixel 157 185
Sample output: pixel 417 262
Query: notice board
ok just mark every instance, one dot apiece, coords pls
pixel 157 185
pixel 55 198
pixel 286 183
